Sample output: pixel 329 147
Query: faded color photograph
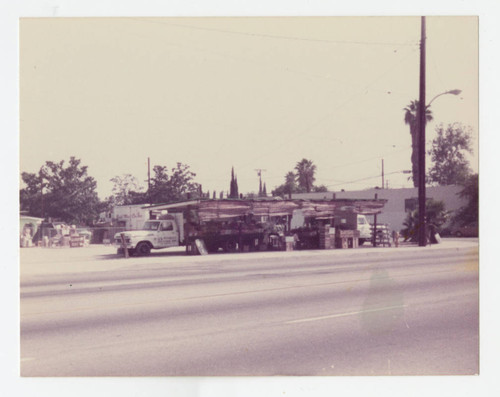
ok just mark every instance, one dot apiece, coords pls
pixel 249 196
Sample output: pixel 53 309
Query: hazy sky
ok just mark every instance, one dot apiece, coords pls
pixel 253 93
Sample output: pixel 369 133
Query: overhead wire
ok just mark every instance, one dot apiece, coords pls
pixel 363 179
pixel 330 113
pixel 279 37
pixel 287 69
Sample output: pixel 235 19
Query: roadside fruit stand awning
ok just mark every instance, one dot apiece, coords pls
pixel 210 210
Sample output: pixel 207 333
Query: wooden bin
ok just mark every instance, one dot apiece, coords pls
pixel 346 238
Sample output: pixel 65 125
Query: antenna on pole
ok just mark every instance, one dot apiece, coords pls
pixel 383 174
pixel 149 181
pixel 259 174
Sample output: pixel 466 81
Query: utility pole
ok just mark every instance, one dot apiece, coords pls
pixel 149 181
pixel 259 174
pixel 422 239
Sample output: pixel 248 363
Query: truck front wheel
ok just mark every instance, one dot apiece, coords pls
pixel 143 249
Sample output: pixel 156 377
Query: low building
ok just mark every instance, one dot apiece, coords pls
pixel 399 201
pixel 28 227
pixel 130 217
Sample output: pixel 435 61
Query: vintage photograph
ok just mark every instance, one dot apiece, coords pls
pixel 249 196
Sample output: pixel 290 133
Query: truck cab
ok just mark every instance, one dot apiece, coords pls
pixel 365 229
pixel 155 234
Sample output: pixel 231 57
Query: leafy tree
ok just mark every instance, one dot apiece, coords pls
pixel 448 154
pixel 66 193
pixel 305 174
pixel 174 186
pixel 411 120
pixel 290 183
pixel 435 216
pixel 470 212
pixel 320 189
pixel 126 190
pixel 289 187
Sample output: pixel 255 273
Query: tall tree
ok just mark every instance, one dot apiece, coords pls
pixel 305 174
pixel 290 183
pixel 450 165
pixel 290 186
pixel 66 193
pixel 126 189
pixel 174 186
pixel 411 120
pixel 233 187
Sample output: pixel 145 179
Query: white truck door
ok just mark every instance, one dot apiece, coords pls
pixel 168 235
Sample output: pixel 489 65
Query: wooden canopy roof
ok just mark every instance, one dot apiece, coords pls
pixel 230 208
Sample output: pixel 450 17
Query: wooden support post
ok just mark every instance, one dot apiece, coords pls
pixel 374 242
pixel 124 245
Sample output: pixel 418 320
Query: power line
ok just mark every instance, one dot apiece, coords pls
pixel 369 159
pixel 278 37
pixel 363 179
pixel 329 114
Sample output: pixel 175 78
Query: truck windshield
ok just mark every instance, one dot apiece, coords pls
pixel 151 225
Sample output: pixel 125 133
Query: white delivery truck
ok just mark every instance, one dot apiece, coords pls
pixel 168 231
pixel 171 231
pixel 365 229
pixel 352 221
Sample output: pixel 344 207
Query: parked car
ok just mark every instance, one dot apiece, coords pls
pixel 86 234
pixel 471 230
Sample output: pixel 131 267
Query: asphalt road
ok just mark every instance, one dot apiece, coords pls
pixel 85 312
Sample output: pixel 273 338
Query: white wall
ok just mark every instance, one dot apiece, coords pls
pixel 133 215
pixel 393 212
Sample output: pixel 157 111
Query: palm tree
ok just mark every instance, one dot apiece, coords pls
pixel 411 120
pixel 305 174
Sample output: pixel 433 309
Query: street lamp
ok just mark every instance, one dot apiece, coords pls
pixel 422 238
pixel 451 92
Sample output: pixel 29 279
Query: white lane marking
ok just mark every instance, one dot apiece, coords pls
pixel 24 359
pixel 304 320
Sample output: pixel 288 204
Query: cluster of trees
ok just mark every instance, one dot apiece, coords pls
pixel 449 167
pixel 166 186
pixel 61 191
pixel 66 192
pixel 300 180
pixel 436 214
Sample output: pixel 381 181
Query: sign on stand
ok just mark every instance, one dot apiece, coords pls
pixel 200 246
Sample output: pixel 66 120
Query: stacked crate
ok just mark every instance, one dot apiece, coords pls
pixel 326 237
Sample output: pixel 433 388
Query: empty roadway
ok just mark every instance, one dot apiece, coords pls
pixel 370 311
